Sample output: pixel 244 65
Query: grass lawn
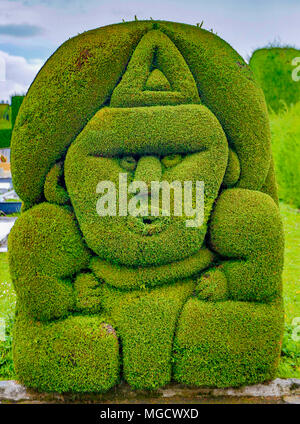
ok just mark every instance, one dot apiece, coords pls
pixel 7 307
pixel 291 273
pixel 290 360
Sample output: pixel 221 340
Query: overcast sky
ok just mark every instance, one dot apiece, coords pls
pixel 31 30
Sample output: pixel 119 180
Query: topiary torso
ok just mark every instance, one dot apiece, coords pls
pixel 159 299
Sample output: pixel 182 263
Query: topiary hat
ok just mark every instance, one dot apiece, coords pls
pixel 130 64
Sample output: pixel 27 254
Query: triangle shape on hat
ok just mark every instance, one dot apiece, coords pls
pixel 157 81
pixel 155 59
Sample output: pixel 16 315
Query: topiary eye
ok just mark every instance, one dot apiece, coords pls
pixel 128 163
pixel 171 160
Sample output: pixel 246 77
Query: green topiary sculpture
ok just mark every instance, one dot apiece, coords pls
pixel 145 298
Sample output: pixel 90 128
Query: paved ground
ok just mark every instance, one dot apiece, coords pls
pixel 278 391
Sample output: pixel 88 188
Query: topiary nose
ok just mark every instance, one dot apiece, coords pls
pixel 148 169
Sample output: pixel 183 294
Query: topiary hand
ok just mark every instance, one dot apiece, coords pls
pixel 46 250
pixel 87 293
pixel 212 285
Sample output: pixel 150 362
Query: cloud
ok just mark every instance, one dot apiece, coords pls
pixel 21 30
pixel 19 74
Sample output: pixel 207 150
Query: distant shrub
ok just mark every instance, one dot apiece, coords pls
pixel 4 111
pixel 16 102
pixel 290 355
pixel 285 128
pixel 5 136
pixel 273 69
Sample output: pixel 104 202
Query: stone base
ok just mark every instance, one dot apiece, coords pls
pixel 276 391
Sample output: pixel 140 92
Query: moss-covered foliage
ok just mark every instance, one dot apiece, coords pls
pixel 157 81
pixel 146 322
pixel 131 278
pixel 45 250
pixel 148 295
pixel 273 68
pixel 87 293
pixel 256 215
pixel 233 169
pixel 142 85
pixel 246 336
pixel 285 128
pixel 61 355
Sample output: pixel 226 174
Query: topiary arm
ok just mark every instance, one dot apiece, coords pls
pixel 245 229
pixel 88 293
pixel 46 251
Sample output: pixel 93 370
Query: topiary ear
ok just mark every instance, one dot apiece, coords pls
pixel 157 74
pixel 54 189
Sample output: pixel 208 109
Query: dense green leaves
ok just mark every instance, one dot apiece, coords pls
pixel 201 305
pixel 273 68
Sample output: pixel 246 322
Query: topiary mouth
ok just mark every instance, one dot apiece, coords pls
pixel 148 225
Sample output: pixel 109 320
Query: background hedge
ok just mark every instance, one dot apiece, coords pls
pixel 285 127
pixel 5 137
pixel 5 134
pixel 272 67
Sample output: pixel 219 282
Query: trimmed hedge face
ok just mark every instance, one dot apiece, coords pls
pixel 273 68
pixel 157 101
pixel 158 131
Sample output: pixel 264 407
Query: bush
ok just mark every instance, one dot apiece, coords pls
pixel 54 189
pixel 42 257
pixel 290 355
pixel 16 102
pixel 246 334
pixel 273 69
pixel 61 355
pixel 201 305
pixel 5 136
pixel 285 128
